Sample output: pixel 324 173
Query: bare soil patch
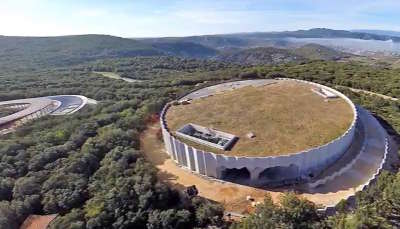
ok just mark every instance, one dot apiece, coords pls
pixel 38 221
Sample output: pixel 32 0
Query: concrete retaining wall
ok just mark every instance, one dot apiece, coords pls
pixel 311 161
pixel 339 172
pixel 330 210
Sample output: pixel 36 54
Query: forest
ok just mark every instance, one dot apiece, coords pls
pixel 89 169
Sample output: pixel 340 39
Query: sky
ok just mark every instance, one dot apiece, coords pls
pixel 160 18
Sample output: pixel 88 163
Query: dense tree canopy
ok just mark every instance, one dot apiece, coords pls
pixel 88 167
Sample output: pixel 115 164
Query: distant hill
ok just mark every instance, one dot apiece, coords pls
pixel 272 55
pixel 319 52
pixel 322 33
pixel 37 52
pixel 213 41
pixel 275 39
pixel 66 50
pixel 379 32
pixel 261 55
pixel 184 49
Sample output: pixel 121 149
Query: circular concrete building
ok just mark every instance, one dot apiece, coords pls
pixel 259 132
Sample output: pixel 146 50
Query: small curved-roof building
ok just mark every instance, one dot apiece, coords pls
pixel 29 109
pixel 69 103
pixel 259 131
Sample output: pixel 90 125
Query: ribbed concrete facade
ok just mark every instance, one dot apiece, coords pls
pixel 262 170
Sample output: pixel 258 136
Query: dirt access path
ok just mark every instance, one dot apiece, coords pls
pixel 38 221
pixel 369 93
pixel 231 196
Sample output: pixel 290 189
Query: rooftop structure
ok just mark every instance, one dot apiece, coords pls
pixel 327 94
pixel 206 136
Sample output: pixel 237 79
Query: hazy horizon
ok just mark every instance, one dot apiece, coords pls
pixel 83 34
pixel 177 18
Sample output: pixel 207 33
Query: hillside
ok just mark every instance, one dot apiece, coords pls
pixel 261 55
pixel 32 53
pixel 38 52
pixel 185 49
pixel 322 33
pixel 319 52
pixel 213 41
pixel 271 55
pixel 379 32
pixel 275 39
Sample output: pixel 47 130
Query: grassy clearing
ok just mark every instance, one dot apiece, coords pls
pixel 286 118
pixel 111 75
pixel 396 64
pixel 114 75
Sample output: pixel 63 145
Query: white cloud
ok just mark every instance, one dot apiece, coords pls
pixel 92 12
pixel 209 17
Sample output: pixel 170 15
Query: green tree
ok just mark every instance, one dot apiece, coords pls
pixel 267 216
pixel 298 212
pixel 292 212
pixel 366 216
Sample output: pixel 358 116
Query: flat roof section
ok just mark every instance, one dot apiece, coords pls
pixel 69 104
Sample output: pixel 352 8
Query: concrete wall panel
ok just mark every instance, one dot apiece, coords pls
pixel 182 150
pixel 200 161
pixel 173 151
pixel 210 164
pixel 191 158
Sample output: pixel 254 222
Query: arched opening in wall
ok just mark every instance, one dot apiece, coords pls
pixel 279 175
pixel 241 176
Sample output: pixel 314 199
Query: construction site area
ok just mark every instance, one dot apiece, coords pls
pixel 364 146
